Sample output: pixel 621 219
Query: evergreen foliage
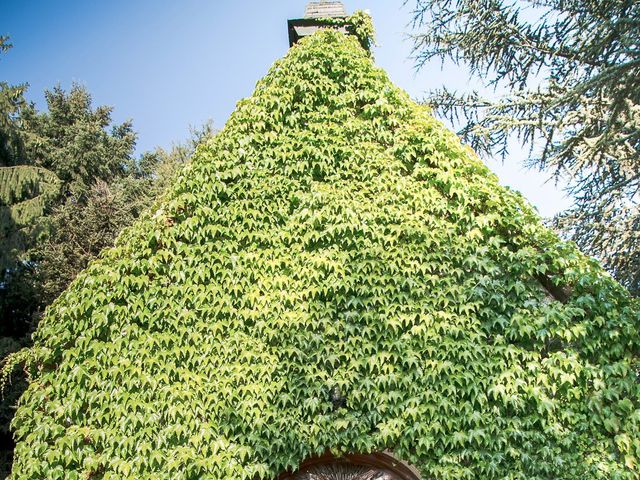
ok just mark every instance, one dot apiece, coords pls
pixel 25 193
pixel 572 70
pixel 75 140
pixel 334 241
pixel 55 158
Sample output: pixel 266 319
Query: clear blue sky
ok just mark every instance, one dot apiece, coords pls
pixel 169 64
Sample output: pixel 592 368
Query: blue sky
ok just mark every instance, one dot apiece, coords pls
pixel 169 64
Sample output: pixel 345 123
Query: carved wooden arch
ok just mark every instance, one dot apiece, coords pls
pixel 374 466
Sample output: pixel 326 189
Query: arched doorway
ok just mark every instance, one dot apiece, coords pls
pixel 375 466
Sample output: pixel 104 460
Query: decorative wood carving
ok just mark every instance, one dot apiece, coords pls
pixel 338 471
pixel 375 466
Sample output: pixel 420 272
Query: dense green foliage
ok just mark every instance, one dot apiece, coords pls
pixel 335 270
pixel 571 70
pixel 359 24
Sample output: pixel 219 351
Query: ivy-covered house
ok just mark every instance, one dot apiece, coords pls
pixel 335 288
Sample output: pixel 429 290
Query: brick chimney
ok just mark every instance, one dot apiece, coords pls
pixel 311 22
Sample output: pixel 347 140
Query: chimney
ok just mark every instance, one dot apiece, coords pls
pixel 314 14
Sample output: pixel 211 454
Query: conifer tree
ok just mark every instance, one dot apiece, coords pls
pixel 25 189
pixel 572 73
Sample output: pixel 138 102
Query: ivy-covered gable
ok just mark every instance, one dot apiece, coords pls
pixel 335 271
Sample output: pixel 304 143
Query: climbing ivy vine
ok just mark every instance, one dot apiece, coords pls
pixel 335 271
pixel 359 24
